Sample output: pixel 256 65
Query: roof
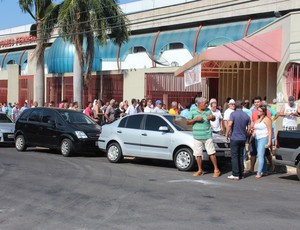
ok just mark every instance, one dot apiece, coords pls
pixel 265 47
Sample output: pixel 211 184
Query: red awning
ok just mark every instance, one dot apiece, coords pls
pixel 264 47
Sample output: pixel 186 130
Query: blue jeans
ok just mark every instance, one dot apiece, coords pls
pixel 261 147
pixel 237 152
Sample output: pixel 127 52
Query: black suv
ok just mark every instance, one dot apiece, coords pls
pixel 62 129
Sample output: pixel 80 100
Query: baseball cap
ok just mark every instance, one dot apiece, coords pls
pixel 158 102
pixel 231 101
pixel 213 100
pixel 291 98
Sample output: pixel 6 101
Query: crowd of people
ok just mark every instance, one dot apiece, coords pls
pixel 250 128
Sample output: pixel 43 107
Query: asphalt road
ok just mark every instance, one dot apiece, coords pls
pixel 43 190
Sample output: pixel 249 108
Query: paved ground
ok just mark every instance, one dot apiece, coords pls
pixel 43 190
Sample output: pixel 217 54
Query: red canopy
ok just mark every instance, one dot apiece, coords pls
pixel 264 47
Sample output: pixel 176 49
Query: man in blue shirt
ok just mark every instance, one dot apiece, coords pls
pixel 238 125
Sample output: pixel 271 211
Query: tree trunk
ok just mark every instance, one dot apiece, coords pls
pixel 77 80
pixel 39 78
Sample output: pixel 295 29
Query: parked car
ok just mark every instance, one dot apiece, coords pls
pixel 156 136
pixel 63 129
pixel 7 128
pixel 288 149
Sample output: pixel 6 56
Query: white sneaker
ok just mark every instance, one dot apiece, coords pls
pixel 232 177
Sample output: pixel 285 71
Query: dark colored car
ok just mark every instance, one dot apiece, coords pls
pixel 62 129
pixel 288 149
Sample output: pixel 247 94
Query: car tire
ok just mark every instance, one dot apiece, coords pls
pixel 20 143
pixel 66 147
pixel 184 159
pixel 114 153
pixel 298 170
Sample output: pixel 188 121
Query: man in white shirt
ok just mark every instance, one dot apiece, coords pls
pixel 289 113
pixel 228 111
pixel 216 125
pixel 132 108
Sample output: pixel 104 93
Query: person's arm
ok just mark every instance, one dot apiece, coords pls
pixel 194 120
pixel 281 113
pixel 268 123
pixel 211 117
pixel 228 129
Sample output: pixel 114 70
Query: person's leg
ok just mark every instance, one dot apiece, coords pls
pixel 213 159
pixel 253 153
pixel 199 164
pixel 241 150
pixel 260 146
pixel 198 147
pixel 210 149
pixel 271 165
pixel 234 158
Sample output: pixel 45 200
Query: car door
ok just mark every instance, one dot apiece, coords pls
pixel 155 143
pixel 32 127
pixel 129 133
pixel 49 129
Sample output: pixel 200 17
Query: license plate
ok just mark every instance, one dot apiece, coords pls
pixel 227 154
pixel 10 136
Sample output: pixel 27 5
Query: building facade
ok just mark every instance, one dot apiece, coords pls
pixel 164 39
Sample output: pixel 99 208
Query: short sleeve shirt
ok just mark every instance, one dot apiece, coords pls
pixel 201 130
pixel 240 122
pixel 227 114
pixel 215 125
pixel 110 112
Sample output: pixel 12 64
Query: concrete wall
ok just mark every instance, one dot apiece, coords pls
pixel 206 10
pixel 134 81
pixel 13 83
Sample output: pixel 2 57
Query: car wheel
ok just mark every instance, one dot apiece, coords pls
pixel 66 147
pixel 298 170
pixel 114 153
pixel 184 159
pixel 20 143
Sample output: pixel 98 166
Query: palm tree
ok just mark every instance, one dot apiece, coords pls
pixel 86 19
pixel 40 10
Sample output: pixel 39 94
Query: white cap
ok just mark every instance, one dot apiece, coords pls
pixel 231 101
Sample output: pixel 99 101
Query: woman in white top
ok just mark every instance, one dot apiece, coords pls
pixel 263 139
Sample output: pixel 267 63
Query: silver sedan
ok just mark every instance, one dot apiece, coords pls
pixel 156 136
pixel 7 128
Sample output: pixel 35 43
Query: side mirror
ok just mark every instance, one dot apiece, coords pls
pixel 164 129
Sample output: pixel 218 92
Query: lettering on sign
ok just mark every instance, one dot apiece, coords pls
pixel 19 40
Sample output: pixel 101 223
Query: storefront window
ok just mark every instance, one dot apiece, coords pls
pixel 293 81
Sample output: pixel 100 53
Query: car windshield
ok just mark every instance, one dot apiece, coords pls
pixel 179 122
pixel 74 117
pixel 4 118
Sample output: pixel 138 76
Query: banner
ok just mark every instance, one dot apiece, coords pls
pixel 192 76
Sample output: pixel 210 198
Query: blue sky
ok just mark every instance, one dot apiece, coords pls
pixel 12 16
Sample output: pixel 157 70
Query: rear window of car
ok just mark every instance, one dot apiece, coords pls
pixel 35 115
pixel 131 122
pixel 24 115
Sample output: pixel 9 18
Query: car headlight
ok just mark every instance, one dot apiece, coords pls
pixel 80 134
